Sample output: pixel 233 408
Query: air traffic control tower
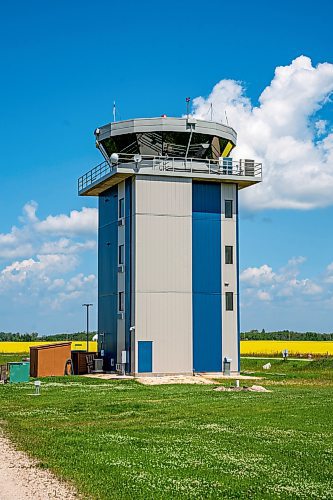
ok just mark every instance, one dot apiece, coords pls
pixel 168 291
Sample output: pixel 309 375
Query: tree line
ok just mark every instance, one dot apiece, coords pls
pixel 250 335
pixel 285 335
pixel 35 337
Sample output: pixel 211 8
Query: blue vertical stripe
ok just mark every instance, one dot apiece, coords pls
pixel 206 277
pixel 107 272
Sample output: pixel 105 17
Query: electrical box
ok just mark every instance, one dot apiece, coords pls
pixel 124 357
pixel 98 365
pixel 226 366
pixel 18 372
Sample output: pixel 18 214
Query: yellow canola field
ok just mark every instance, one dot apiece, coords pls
pixel 248 347
pixel 23 347
pixel 295 347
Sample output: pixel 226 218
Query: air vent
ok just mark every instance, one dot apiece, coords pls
pixel 98 365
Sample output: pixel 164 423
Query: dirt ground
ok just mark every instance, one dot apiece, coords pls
pixel 21 479
pixel 173 379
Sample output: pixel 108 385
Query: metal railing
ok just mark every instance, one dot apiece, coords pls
pixel 222 166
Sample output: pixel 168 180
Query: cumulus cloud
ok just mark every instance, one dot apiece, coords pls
pixel 284 284
pixel 55 234
pixel 40 259
pixel 284 132
pixel 43 267
pixel 257 276
pixel 76 223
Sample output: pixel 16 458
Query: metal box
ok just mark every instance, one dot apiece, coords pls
pixel 19 372
pixel 98 365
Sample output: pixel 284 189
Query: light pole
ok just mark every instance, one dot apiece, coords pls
pixel 87 306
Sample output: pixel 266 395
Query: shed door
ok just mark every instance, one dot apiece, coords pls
pixel 145 354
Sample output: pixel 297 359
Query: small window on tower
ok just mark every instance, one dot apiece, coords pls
pixel 228 209
pixel 121 210
pixel 121 300
pixel 121 254
pixel 229 301
pixel 229 255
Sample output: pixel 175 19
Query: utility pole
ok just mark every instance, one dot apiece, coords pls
pixel 87 306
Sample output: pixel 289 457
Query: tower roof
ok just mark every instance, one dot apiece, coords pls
pixel 177 137
pixel 171 147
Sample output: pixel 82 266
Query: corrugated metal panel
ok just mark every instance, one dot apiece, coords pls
pixel 230 341
pixel 206 198
pixel 160 195
pixel 163 270
pixel 166 318
pixel 206 275
pixel 107 271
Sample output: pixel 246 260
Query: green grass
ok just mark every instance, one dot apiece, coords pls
pixel 7 358
pixel 123 440
pixel 315 372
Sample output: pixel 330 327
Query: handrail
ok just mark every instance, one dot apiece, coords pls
pixel 222 166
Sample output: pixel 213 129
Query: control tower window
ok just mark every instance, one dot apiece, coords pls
pixel 229 301
pixel 121 209
pixel 228 254
pixel 228 209
pixel 121 301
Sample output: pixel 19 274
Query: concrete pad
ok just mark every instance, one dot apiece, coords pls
pixel 108 376
pixel 174 379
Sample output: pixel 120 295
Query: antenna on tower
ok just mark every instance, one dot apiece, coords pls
pixel 188 100
pixel 226 117
pixel 114 111
pixel 211 111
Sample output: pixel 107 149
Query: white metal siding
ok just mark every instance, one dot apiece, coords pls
pixel 229 275
pixel 163 263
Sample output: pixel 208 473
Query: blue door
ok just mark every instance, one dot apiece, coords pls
pixel 145 352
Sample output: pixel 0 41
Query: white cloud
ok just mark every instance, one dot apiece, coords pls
pixel 66 246
pixel 264 296
pixel 329 273
pixel 35 236
pixel 281 285
pixel 29 212
pixel 40 260
pixel 321 127
pixel 40 268
pixel 282 133
pixel 257 276
pixel 76 223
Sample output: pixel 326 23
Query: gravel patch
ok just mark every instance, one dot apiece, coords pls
pixel 174 379
pixel 21 479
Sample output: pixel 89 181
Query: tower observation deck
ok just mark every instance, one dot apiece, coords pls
pixel 168 244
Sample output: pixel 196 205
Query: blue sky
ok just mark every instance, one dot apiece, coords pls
pixel 63 64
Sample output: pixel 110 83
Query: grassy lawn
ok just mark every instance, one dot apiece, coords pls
pixel 7 358
pixel 123 440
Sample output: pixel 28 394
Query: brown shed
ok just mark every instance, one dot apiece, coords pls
pixel 83 362
pixel 49 360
